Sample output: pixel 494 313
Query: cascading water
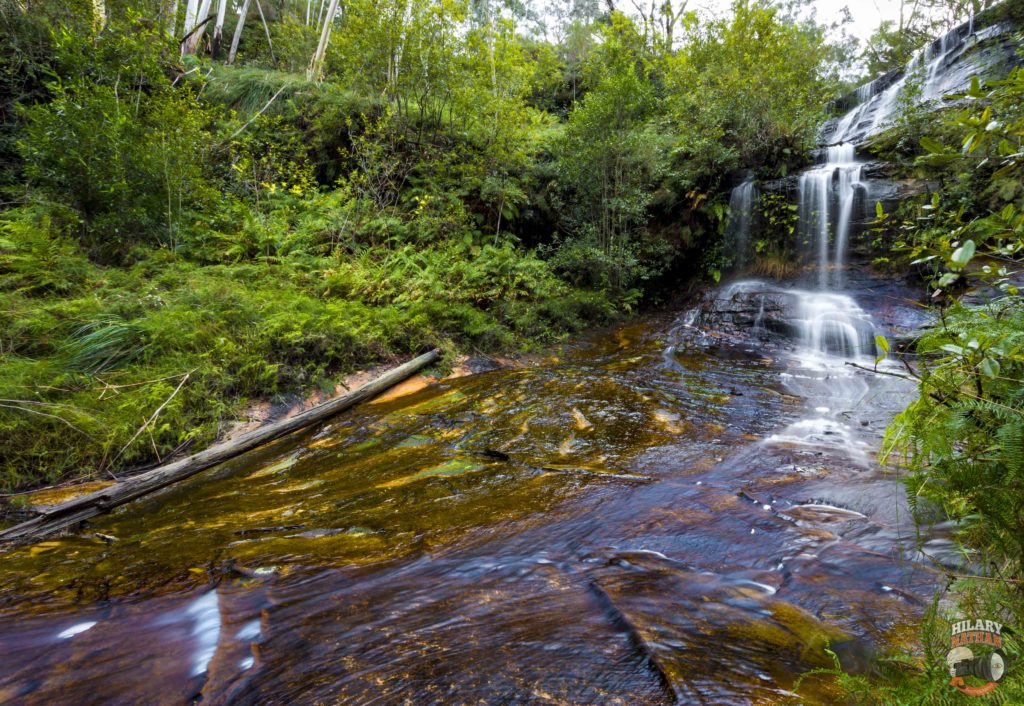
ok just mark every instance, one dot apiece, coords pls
pixel 741 212
pixel 827 196
pixel 941 68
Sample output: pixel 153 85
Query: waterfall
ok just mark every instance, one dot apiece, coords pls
pixel 834 325
pixel 741 212
pixel 827 197
pixel 943 67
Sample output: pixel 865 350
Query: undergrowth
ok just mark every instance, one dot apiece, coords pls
pixel 110 367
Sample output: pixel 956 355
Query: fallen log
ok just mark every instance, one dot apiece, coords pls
pixel 71 512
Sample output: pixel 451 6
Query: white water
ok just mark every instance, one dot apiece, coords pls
pixel 205 615
pixel 827 196
pixel 941 68
pixel 76 629
pixel 741 212
pixel 829 330
pixel 833 331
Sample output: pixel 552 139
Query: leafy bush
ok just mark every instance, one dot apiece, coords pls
pixel 128 159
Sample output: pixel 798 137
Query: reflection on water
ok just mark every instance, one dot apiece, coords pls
pixel 644 518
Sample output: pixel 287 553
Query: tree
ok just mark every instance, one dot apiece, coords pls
pixel 218 28
pixel 609 161
pixel 749 90
pixel 316 64
pixel 919 21
pixel 660 20
pixel 243 12
pixel 198 11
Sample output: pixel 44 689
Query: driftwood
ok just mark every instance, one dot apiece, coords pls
pixel 71 512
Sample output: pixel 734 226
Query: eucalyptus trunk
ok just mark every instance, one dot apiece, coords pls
pixel 242 13
pixel 316 65
pixel 171 21
pixel 99 15
pixel 266 31
pixel 218 27
pixel 191 13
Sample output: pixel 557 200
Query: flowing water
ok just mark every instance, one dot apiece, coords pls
pixel 827 197
pixel 941 68
pixel 741 215
pixel 677 511
pixel 656 514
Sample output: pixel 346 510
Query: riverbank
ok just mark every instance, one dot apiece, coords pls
pixel 126 366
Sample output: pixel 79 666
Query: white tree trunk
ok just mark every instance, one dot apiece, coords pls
pixel 172 19
pixel 238 31
pixel 191 12
pixel 316 65
pixel 218 28
pixel 266 30
pixel 99 15
pixel 320 15
pixel 192 43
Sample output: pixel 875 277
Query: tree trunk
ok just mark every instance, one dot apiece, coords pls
pixel 316 65
pixel 172 20
pixel 99 15
pixel 191 16
pixel 238 31
pixel 70 513
pixel 191 43
pixel 218 28
pixel 266 30
pixel 320 15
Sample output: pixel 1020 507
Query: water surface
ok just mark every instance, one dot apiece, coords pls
pixel 654 514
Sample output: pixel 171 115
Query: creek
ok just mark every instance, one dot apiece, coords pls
pixel 686 509
pixel 661 512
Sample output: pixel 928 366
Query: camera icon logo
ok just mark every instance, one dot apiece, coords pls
pixel 976 655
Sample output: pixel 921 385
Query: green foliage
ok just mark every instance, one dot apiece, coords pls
pixel 921 678
pixel 891 47
pixel 36 260
pixel 749 91
pixel 191 235
pixel 609 162
pixel 780 218
pixel 86 363
pixel 126 156
pixel 25 53
pixel 962 439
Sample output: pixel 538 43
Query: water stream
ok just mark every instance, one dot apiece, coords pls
pixel 742 200
pixel 650 515
pixel 827 196
pixel 941 68
pixel 682 510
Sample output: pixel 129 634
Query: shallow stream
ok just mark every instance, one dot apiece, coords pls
pixel 658 513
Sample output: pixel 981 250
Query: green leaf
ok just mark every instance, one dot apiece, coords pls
pixel 933 145
pixel 883 345
pixel 952 348
pixel 989 367
pixel 963 254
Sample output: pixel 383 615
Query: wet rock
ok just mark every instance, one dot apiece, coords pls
pixel 742 309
